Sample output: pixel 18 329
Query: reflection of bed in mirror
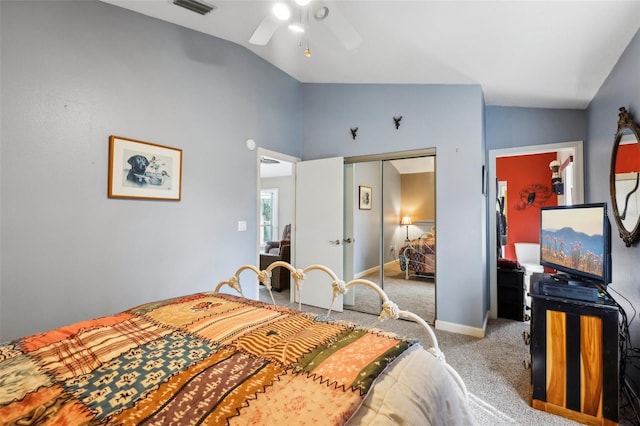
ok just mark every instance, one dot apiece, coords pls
pixel 418 256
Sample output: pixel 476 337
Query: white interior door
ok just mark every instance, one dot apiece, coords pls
pixel 319 227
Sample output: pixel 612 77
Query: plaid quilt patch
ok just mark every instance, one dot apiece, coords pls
pixel 198 359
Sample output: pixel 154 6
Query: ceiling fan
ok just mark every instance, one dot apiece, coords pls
pixel 313 10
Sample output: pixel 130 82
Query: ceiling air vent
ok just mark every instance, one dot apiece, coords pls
pixel 194 6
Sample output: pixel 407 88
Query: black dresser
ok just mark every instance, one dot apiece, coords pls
pixel 511 294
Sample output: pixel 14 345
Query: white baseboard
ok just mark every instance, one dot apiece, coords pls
pixel 369 271
pixel 443 325
pixel 366 272
pixel 463 329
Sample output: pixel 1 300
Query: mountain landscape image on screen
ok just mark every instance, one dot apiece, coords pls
pixel 573 249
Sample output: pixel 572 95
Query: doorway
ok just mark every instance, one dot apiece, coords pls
pixel 275 212
pixel 565 149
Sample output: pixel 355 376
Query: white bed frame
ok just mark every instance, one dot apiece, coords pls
pixel 389 309
pixel 412 246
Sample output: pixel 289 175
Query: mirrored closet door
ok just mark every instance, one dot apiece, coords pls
pixel 395 235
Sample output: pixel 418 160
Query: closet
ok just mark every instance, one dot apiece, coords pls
pixel 386 249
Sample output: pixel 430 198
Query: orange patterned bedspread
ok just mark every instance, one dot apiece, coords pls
pixel 201 359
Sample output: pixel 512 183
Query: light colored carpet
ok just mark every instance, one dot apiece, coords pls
pixel 417 294
pixel 498 383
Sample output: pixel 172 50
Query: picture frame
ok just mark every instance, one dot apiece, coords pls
pixel 364 197
pixel 144 170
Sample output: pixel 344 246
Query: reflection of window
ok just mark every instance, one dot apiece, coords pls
pixel 627 198
pixel 268 215
pixel 567 177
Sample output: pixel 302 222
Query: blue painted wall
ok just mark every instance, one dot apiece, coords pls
pixel 75 72
pixel 621 89
pixel 511 127
pixel 446 117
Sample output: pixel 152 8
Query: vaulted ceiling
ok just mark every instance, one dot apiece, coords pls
pixel 552 54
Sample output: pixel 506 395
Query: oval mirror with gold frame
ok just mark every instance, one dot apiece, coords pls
pixel 624 178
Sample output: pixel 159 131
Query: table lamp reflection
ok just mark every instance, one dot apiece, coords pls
pixel 406 220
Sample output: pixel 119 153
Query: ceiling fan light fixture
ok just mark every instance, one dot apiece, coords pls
pixel 281 11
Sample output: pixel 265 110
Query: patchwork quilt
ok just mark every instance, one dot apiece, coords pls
pixel 200 359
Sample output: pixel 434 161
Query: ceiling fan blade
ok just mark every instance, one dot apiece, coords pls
pixel 340 26
pixel 265 30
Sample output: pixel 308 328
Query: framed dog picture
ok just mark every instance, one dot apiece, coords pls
pixel 364 195
pixel 140 169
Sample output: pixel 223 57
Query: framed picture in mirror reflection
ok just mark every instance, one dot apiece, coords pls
pixel 364 195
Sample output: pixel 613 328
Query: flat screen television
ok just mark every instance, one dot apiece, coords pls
pixel 576 241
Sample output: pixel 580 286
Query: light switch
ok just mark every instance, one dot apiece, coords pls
pixel 242 225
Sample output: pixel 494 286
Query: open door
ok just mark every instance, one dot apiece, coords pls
pixel 319 227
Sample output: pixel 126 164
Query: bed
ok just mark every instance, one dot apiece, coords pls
pixel 220 358
pixel 419 256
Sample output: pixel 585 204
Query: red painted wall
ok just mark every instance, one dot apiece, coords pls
pixel 627 158
pixel 525 174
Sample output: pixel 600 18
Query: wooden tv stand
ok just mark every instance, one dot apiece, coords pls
pixel 574 358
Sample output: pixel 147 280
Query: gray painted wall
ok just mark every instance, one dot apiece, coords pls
pixel 447 117
pixel 622 88
pixel 75 72
pixel 367 223
pixel 383 217
pixel 509 127
pixel 394 234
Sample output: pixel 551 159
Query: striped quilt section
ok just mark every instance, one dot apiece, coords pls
pixel 200 359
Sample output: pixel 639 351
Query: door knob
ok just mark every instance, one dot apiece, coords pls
pixel 335 243
pixel 349 240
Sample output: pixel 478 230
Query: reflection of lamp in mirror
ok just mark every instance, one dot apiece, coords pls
pixel 556 180
pixel 406 220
